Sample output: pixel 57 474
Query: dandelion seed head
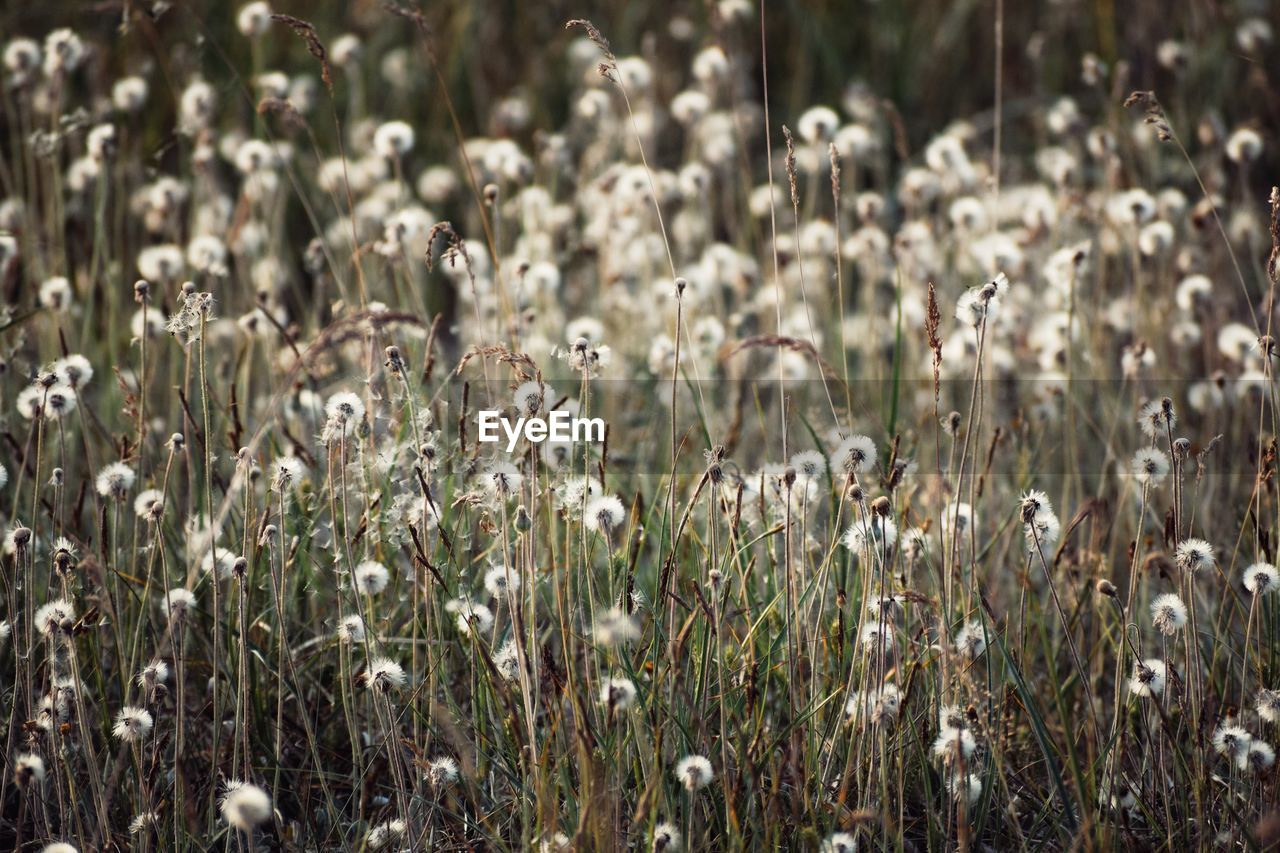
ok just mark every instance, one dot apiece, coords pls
pixel 840 842
pixel 132 724
pixel 953 745
pixel 615 627
pixel 351 629
pixel 1150 466
pixel 178 603
pixel 1149 677
pixel 28 768
pixel 370 577
pixel 55 617
pixel 1168 614
pixel 149 505
pixel 441 771
pixel 115 480
pixel 1258 758
pixel 1261 579
pixel 694 772
pixel 1231 741
pixel 1268 705
pixel 244 805
pixel 384 675
pixel 386 833
pixel 617 693
pixel 604 514
pixel 854 455
pixel 1194 556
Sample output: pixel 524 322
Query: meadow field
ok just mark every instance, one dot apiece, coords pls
pixel 918 481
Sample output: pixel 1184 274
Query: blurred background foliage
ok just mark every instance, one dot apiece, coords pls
pixel 932 59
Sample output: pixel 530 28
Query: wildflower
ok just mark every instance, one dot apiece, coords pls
pixel 507 661
pixel 497 582
pixel 149 504
pixel 1268 705
pixel 244 805
pixel 576 492
pixel 694 772
pixel 840 842
pixel 286 473
pixel 442 771
pixel 1032 505
pixel 810 466
pixel 604 514
pixel 959 516
pixel 968 788
pixel 1261 578
pixel 877 707
pixel 1042 532
pixel 371 577
pixel 1258 758
pixel 59 847
pixel 60 401
pixel 21 57
pixel 132 724
pixel 74 371
pixel 529 398
pixel 387 832
pixel 153 674
pixel 617 694
pixel 351 629
pixel 384 675
pixel 142 822
pixel 54 617
pixel 393 140
pixel 473 619
pixel 666 838
pixel 615 627
pixel 253 19
pixel 1168 614
pixel 128 94
pixel 953 744
pixel 115 480
pixel 344 411
pixel 502 479
pixel 219 562
pixel 1193 556
pixel 1231 741
pixel 1157 418
pixel 178 603
pixel 1149 677
pixel 555 843
pixel 27 768
pixel 854 455
pixel 979 306
pixel 1244 145
pixel 1150 466
pixel 586 358
pixel 877 636
pixel 876 532
pixel 971 639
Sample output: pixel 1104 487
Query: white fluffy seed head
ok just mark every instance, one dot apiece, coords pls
pixel 1149 677
pixel 694 772
pixel 245 806
pixel 370 577
pixel 1168 614
pixel 132 724
pixel 1261 579
pixel 115 480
